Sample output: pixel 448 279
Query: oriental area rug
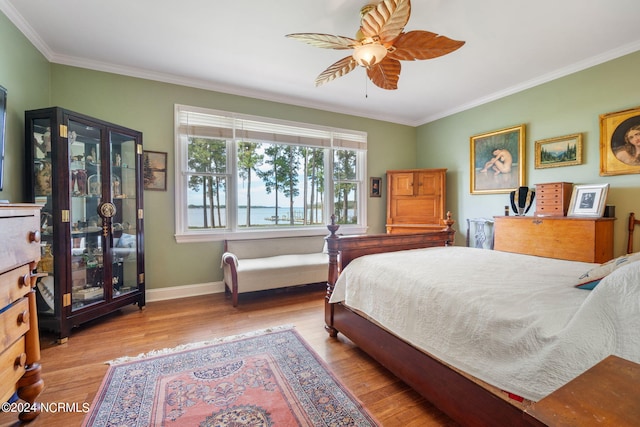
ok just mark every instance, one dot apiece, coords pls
pixel 265 378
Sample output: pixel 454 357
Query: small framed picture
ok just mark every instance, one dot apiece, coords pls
pixel 588 200
pixel 155 170
pixel 375 184
pixel 559 151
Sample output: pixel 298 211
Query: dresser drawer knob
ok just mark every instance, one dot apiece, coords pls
pixel 21 361
pixel 34 236
pixel 23 318
pixel 25 280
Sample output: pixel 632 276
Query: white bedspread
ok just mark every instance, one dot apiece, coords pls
pixel 514 321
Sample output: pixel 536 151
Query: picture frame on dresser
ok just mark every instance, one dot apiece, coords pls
pixel 559 151
pixel 620 142
pixel 497 161
pixel 588 200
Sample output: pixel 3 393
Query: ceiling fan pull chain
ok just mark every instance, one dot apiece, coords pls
pixel 366 86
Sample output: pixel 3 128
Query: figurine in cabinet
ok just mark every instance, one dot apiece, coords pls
pixel 43 179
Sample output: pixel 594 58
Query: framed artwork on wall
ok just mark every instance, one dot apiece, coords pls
pixel 3 115
pixel 560 151
pixel 497 161
pixel 155 170
pixel 620 142
pixel 588 200
pixel 375 184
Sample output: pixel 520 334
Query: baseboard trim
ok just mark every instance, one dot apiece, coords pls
pixel 174 292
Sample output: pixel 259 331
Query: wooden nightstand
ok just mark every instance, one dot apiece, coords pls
pixel 605 395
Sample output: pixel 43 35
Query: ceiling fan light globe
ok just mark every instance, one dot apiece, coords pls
pixel 367 55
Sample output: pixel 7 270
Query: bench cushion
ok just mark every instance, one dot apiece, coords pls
pixel 260 248
pixel 281 271
pixel 275 262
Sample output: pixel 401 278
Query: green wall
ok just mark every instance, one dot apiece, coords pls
pixel 564 106
pixel 24 72
pixel 148 106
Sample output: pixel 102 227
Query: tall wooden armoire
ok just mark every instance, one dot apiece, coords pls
pixel 416 200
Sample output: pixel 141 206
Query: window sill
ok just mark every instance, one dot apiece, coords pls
pixel 207 236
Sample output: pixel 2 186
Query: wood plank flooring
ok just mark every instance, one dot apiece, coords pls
pixel 73 371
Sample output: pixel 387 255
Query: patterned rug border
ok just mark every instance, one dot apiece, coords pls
pixel 195 345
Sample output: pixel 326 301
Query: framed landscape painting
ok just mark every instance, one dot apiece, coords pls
pixel 155 170
pixel 559 151
pixel 497 161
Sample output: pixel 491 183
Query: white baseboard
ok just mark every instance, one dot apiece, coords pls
pixel 175 292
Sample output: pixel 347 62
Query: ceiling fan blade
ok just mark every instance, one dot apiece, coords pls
pixel 338 69
pixel 416 45
pixel 386 20
pixel 385 74
pixel 325 41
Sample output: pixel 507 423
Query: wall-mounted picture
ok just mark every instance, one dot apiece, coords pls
pixel 155 170
pixel 588 200
pixel 497 161
pixel 560 151
pixel 3 114
pixel 620 142
pixel 375 184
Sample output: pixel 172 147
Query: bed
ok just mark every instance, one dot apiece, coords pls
pixel 551 331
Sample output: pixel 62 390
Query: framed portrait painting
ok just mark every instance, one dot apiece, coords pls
pixel 620 142
pixel 497 161
pixel 375 184
pixel 155 170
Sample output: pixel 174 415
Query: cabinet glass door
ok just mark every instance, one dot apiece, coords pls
pixel 43 190
pixel 123 187
pixel 86 193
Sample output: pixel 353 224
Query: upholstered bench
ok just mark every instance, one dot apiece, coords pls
pixel 271 263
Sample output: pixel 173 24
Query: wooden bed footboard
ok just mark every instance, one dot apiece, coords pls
pixel 344 249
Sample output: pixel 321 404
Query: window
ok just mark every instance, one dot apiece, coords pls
pixel 253 176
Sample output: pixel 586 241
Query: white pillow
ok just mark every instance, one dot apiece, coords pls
pixel 591 278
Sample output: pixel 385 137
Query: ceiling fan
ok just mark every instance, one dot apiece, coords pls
pixel 380 44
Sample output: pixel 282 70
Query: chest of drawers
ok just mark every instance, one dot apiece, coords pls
pixel 19 342
pixel 553 199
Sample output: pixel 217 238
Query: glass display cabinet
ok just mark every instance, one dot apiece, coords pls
pixel 87 175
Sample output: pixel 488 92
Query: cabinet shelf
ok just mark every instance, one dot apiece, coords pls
pixel 77 165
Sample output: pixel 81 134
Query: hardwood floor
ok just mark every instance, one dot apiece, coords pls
pixel 73 371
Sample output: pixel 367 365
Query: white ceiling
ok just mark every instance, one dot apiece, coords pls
pixel 238 47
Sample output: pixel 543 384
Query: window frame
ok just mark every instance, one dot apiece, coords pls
pixel 232 232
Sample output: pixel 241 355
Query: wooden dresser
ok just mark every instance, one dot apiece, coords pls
pixel 570 238
pixel 415 200
pixel 19 341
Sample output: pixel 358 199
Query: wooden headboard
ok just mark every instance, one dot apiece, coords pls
pixel 632 223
